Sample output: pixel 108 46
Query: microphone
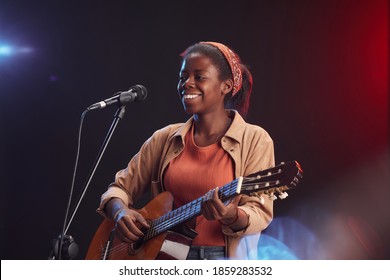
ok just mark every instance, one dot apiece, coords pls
pixel 136 93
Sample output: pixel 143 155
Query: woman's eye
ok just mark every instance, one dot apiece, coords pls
pixel 200 77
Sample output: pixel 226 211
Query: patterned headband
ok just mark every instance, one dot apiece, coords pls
pixel 234 63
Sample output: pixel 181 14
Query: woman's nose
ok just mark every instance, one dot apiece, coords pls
pixel 189 82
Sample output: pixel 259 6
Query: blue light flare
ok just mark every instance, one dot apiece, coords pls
pixel 5 50
pixel 273 249
pixel 288 239
pixel 8 50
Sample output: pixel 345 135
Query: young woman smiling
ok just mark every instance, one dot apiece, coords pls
pixel 215 146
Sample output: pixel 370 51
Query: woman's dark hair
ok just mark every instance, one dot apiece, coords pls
pixel 240 101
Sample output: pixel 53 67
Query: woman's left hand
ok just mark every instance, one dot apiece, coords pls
pixel 214 209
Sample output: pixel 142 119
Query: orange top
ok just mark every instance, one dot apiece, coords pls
pixel 193 173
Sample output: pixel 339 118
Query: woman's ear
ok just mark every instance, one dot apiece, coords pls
pixel 227 86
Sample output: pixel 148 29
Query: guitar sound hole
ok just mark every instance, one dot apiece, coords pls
pixel 135 246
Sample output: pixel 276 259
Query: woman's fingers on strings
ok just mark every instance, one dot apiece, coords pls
pixel 223 209
pixel 209 211
pixel 218 204
pixel 130 223
pixel 140 219
pixel 215 209
pixel 125 234
pixel 206 210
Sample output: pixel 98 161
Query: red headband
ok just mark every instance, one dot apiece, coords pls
pixel 234 62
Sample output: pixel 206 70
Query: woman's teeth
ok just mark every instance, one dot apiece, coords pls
pixel 190 96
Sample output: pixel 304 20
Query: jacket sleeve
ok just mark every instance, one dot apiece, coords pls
pixel 131 182
pixel 259 209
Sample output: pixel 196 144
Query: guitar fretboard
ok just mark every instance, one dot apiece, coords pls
pixel 190 210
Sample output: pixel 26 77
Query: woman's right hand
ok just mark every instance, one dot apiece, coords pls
pixel 128 221
pixel 128 225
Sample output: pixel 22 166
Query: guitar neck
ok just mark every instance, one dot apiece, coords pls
pixel 190 210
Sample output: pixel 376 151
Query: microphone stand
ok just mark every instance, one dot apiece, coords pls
pixel 64 245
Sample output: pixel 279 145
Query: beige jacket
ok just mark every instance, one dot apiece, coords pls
pixel 251 149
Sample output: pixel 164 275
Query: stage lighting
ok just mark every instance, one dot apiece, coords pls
pixel 5 50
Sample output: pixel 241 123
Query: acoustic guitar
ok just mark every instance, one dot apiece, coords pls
pixel 161 242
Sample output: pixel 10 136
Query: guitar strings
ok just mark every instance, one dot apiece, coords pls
pixel 117 249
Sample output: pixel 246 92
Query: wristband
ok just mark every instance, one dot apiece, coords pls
pixel 117 214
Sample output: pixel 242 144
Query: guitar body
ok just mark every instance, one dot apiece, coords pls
pixel 150 250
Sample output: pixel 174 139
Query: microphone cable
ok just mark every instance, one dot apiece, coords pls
pixel 64 228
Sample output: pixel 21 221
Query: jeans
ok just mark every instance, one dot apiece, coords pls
pixel 206 253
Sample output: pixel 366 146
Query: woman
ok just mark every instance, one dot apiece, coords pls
pixel 212 148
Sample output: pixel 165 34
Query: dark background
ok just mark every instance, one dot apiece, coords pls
pixel 320 73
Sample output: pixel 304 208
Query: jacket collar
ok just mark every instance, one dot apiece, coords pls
pixel 237 127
